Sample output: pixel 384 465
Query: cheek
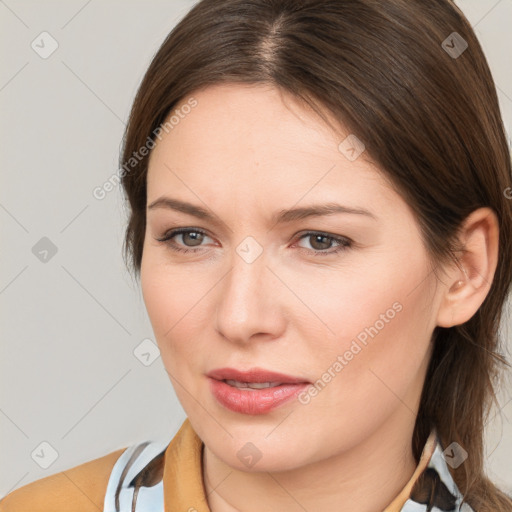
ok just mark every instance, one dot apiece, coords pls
pixel 380 319
pixel 175 303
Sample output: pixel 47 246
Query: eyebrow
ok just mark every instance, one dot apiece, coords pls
pixel 280 217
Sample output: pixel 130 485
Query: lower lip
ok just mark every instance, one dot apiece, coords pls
pixel 257 401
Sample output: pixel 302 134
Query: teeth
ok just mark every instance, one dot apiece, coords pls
pixel 252 385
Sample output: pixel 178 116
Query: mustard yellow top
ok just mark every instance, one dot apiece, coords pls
pixel 82 488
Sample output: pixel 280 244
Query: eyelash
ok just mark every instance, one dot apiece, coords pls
pixel 344 243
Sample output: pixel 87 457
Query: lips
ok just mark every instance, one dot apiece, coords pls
pixel 238 391
pixel 254 375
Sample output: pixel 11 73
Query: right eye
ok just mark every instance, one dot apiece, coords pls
pixel 197 236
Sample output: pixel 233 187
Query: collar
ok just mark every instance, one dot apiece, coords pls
pixel 431 484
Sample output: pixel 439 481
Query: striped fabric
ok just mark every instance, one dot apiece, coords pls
pixel 435 490
pixel 140 466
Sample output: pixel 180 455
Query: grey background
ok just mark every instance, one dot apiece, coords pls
pixel 68 372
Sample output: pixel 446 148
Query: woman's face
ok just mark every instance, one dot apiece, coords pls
pixel 355 321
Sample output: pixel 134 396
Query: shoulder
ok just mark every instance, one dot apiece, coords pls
pixel 84 486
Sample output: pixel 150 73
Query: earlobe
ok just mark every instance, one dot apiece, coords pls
pixel 454 298
pixel 469 282
pixel 456 286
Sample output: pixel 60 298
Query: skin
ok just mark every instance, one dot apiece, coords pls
pixel 243 153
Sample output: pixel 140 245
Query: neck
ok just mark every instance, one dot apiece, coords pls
pixel 370 475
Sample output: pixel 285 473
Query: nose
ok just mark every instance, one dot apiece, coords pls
pixel 249 302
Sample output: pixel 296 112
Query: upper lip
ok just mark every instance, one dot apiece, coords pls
pixel 253 375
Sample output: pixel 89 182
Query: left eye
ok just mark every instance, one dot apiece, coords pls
pixel 320 241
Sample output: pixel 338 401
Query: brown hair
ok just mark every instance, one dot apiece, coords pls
pixel 430 120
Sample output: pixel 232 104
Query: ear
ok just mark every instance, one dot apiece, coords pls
pixel 468 284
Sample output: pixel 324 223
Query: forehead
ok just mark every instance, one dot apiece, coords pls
pixel 256 141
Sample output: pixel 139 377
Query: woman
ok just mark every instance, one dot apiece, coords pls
pixel 320 222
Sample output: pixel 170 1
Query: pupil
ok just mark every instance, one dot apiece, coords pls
pixel 196 237
pixel 316 238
